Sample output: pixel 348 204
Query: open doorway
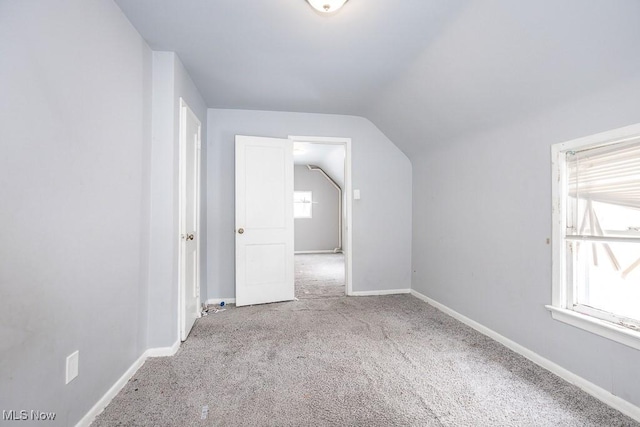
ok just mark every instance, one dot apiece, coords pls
pixel 320 217
pixel 265 250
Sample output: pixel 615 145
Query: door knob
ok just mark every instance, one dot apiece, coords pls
pixel 240 230
pixel 190 236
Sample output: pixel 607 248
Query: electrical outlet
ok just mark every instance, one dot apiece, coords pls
pixel 356 194
pixel 72 365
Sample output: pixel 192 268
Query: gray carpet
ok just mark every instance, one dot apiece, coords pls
pixel 359 361
pixel 319 275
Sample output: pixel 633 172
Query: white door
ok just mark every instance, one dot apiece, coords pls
pixel 189 218
pixel 264 220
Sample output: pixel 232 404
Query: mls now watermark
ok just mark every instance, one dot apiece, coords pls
pixel 24 415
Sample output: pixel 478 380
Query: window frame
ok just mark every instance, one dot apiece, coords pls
pixel 310 204
pixel 561 308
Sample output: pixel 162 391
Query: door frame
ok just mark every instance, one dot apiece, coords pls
pixel 182 148
pixel 348 205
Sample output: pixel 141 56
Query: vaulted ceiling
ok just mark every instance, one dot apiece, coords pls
pixel 423 71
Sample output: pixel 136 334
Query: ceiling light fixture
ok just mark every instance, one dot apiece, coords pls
pixel 326 6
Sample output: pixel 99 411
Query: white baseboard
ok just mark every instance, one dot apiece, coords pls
pixel 163 351
pixel 111 393
pixel 122 381
pixel 215 301
pixel 375 293
pixel 326 251
pixel 598 392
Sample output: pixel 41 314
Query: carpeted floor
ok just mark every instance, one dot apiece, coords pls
pixel 319 275
pixel 358 361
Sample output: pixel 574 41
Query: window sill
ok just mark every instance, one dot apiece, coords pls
pixel 597 326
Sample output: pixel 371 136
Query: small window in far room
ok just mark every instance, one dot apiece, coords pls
pixel 302 202
pixel 596 234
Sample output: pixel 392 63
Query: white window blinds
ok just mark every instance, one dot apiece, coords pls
pixel 608 174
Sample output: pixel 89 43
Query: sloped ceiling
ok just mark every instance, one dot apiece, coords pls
pixel 330 158
pixel 423 71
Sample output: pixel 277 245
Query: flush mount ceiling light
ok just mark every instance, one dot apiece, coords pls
pixel 326 6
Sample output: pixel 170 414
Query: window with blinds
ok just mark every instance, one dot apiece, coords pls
pixel 598 225
pixel 603 229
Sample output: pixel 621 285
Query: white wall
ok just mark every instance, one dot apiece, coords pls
pixel 75 114
pixel 170 83
pixel 321 231
pixel 90 123
pixel 482 214
pixel 381 219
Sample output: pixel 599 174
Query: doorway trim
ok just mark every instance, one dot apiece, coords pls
pixel 347 224
pixel 182 146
